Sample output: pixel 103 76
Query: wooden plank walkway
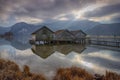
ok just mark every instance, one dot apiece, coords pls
pixel 112 41
pixel 105 43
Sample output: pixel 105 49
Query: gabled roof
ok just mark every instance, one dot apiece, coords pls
pixel 41 29
pixel 60 35
pixel 61 31
pixel 77 31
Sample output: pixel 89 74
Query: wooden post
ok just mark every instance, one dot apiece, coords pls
pixel 39 42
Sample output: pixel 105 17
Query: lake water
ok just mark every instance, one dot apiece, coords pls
pixel 47 59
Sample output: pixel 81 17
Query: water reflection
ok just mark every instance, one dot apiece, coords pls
pixel 4 42
pixel 94 59
pixel 45 51
pixel 18 44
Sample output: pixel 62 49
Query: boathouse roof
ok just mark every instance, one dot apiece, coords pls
pixel 77 31
pixel 44 27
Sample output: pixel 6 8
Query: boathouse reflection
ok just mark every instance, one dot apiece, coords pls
pixel 45 51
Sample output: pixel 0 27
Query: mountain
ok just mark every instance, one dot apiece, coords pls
pixel 21 27
pixel 105 29
pixel 83 25
pixel 4 29
pixel 22 31
pixel 72 25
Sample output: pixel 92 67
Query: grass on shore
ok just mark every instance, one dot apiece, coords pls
pixel 11 71
pixel 75 73
pixel 72 73
pixel 111 76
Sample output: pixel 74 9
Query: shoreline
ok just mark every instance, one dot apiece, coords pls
pixel 10 71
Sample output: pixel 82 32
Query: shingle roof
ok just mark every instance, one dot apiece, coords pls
pixel 41 29
pixel 77 31
pixel 61 31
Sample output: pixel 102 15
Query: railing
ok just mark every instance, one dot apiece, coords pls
pixel 113 41
pixel 105 43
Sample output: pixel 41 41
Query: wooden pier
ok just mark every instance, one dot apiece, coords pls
pixel 112 41
pixel 105 43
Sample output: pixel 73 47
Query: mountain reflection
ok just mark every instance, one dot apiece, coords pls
pixel 45 51
pixel 19 44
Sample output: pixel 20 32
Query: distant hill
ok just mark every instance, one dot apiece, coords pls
pixel 22 31
pixel 72 25
pixel 105 29
pixel 22 27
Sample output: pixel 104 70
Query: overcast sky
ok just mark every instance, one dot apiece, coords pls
pixel 38 11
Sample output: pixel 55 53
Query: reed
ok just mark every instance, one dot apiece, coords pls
pixel 73 73
pixel 10 71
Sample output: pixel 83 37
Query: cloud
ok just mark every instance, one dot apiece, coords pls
pixel 63 17
pixel 46 9
pixel 116 18
pixel 29 20
pixel 104 11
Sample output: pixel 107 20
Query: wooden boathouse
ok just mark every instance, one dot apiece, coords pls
pixel 42 36
pixel 80 36
pixel 63 36
pixel 45 35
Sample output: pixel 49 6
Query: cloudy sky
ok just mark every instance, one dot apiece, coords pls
pixel 38 11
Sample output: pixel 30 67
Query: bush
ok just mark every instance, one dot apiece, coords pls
pixel 72 73
pixel 111 76
pixel 10 71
